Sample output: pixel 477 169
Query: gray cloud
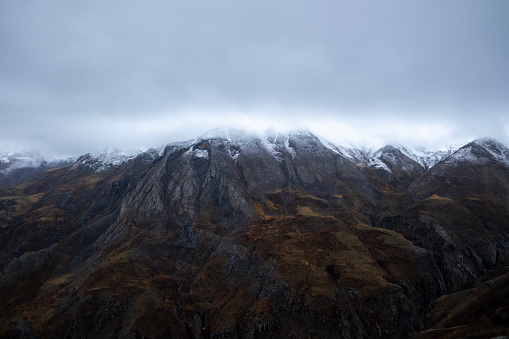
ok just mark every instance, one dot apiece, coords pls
pixel 76 76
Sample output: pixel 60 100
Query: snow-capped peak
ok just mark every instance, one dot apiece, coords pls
pixel 497 150
pixel 279 142
pixel 110 157
pixel 228 133
pixel 10 161
pixel 377 158
pixel 490 143
pixel 276 142
pixel 481 151
pixel 427 157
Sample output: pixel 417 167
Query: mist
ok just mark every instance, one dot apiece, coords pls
pixel 80 77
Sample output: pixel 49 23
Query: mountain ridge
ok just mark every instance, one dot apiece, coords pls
pixel 254 237
pixel 363 155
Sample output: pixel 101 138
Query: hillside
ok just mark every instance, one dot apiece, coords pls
pixel 241 235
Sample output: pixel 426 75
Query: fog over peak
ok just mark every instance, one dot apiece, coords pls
pixel 78 77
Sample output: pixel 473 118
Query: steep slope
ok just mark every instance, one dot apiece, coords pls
pixel 231 235
pixel 460 211
pixel 397 165
pixel 398 168
pixel 425 157
pixel 478 312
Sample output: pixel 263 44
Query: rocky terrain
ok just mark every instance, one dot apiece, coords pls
pixel 236 235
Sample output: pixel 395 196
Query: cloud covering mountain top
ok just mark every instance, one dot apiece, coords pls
pixel 77 77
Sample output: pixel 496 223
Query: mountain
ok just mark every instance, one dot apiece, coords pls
pixel 236 234
pixel 111 158
pixel 18 167
pixel 397 164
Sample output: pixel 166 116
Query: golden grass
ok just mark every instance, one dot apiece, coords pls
pixel 43 308
pixel 123 257
pixel 303 258
pixel 307 211
pixel 260 213
pixel 393 192
pixel 311 197
pixel 85 183
pixel 55 283
pixel 387 237
pixel 21 206
pixel 53 170
pixel 271 206
pixel 440 199
pixel 49 213
pixel 267 210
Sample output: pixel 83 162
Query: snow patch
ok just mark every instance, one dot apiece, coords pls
pixel 378 163
pixel 234 155
pixel 464 154
pixel 290 150
pixel 497 150
pixel 334 148
pixel 502 157
pixel 425 157
pixel 232 135
pixel 106 158
pixel 201 153
pixel 270 142
pixel 114 157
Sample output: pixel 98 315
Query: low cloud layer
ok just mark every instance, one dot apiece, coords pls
pixel 77 77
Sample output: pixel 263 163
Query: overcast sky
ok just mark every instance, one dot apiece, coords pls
pixel 77 76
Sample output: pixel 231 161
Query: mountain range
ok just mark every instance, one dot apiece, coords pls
pixel 240 235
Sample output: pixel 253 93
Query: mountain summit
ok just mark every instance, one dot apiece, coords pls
pixel 264 235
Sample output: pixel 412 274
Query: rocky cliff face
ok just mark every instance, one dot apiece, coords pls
pixel 238 235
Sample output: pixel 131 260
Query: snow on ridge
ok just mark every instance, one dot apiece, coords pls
pixel 486 141
pixel 480 151
pixel 278 143
pixel 502 155
pixel 367 156
pixel 334 148
pixel 221 132
pixel 359 155
pixel 377 163
pixel 463 154
pixel 427 157
pixel 201 153
pixel 27 157
pixel 234 153
pixel 112 157
pixel 196 152
pixel 290 149
pixel 497 150
pixel 376 160
pixel 271 141
pixel 275 141
pixel 17 160
pixel 229 134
